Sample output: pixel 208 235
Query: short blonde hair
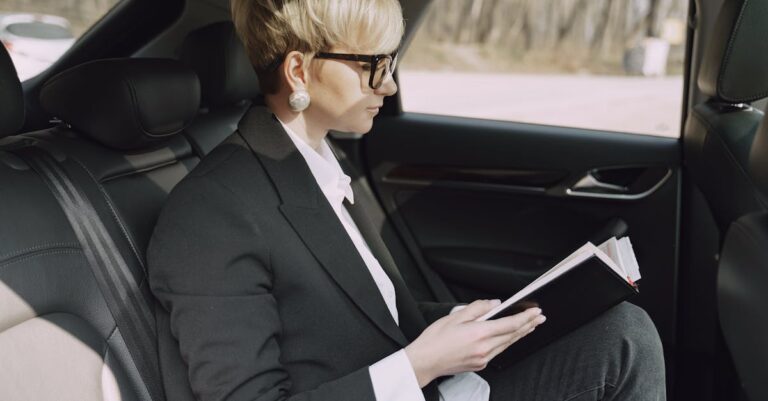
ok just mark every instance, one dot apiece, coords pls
pixel 270 29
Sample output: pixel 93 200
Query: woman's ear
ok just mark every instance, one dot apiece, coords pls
pixel 294 70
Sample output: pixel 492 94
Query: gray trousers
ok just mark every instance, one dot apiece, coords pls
pixel 617 356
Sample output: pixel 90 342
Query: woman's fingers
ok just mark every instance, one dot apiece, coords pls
pixel 504 343
pixel 504 340
pixel 474 310
pixel 510 324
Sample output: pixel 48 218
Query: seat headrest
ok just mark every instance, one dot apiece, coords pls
pixel 219 58
pixel 735 63
pixel 758 159
pixel 11 96
pixel 124 103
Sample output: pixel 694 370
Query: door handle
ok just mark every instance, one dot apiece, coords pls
pixel 591 184
pixel 620 183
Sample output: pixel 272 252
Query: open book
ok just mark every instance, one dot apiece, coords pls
pixel 583 285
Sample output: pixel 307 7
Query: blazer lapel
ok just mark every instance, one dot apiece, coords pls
pixel 310 215
pixel 412 322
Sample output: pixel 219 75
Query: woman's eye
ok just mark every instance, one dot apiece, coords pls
pixel 366 66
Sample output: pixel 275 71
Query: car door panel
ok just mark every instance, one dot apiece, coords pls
pixel 490 205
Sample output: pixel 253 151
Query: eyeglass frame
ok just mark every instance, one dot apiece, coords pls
pixel 372 59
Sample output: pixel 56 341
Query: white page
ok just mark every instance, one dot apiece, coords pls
pixel 610 248
pixel 584 248
pixel 611 256
pixel 627 254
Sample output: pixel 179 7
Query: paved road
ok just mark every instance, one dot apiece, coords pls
pixel 625 104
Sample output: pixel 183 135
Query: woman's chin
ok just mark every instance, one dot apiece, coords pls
pixel 362 127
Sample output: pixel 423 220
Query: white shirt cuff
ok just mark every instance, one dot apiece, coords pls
pixel 393 379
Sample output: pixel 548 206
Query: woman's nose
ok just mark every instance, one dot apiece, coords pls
pixel 388 87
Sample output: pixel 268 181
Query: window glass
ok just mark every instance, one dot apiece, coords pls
pixel 613 65
pixel 37 32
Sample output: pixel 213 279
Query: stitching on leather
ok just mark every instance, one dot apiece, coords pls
pixel 115 215
pixel 728 54
pixel 134 105
pixel 49 245
pixel 135 101
pixel 43 253
pixel 105 350
pixel 729 48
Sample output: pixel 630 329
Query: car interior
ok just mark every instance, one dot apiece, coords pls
pixel 469 208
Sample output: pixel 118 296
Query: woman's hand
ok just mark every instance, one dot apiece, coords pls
pixel 457 343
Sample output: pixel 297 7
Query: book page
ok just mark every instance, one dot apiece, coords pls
pixel 584 248
pixel 628 258
pixel 611 249
pixel 613 261
pixel 621 252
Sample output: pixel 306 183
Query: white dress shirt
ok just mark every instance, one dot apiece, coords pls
pixel 393 377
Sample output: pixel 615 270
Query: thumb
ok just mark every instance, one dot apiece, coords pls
pixel 476 309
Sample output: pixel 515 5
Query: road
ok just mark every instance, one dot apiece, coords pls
pixel 625 104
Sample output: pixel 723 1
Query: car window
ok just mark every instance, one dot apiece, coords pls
pixel 611 65
pixel 37 32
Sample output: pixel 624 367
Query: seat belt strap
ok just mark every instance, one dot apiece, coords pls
pixel 127 303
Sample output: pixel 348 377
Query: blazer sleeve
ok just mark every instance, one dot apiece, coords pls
pixel 209 267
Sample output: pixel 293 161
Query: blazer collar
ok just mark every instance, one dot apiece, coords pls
pixel 312 218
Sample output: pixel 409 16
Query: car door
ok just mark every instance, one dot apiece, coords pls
pixel 489 179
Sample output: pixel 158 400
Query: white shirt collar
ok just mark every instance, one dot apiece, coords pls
pixel 325 168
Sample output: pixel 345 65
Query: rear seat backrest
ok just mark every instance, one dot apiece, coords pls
pixel 229 84
pixel 120 119
pixel 719 133
pixel 58 339
pixel 742 282
pixel 123 121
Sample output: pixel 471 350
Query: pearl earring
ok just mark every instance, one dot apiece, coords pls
pixel 299 100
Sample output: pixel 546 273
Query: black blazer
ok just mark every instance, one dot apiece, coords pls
pixel 264 291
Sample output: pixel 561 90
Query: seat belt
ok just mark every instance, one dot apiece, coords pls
pixel 129 306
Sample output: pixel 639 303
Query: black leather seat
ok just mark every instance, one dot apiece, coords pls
pixel 743 283
pixel 719 133
pixel 126 125
pixel 121 133
pixel 128 129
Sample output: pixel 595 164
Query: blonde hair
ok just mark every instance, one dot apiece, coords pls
pixel 270 29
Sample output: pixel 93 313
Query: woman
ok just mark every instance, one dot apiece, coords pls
pixel 279 288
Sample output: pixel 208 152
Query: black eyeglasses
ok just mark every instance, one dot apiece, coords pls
pixel 379 66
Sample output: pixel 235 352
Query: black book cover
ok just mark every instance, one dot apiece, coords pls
pixel 569 301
